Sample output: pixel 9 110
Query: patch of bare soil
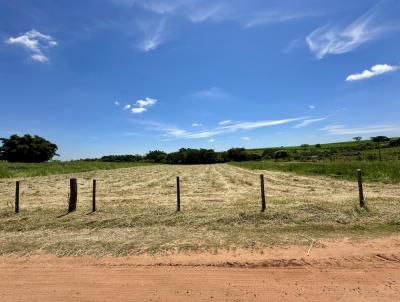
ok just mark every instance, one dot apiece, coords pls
pixel 324 271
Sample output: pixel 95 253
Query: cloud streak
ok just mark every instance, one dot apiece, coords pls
pixel 273 16
pixel 35 42
pixel 214 92
pixel 154 33
pixel 163 13
pixel 329 40
pixel 373 72
pixel 176 133
pixel 340 129
pixel 308 122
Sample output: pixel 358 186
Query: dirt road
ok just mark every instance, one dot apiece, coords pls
pixel 367 271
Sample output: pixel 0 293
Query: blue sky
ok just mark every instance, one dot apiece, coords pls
pixel 102 77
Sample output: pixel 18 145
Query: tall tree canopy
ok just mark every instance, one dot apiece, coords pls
pixel 27 148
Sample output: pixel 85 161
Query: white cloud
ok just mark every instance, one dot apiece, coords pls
pixel 116 103
pixel 333 40
pixel 141 105
pixel 173 132
pixel 340 129
pixel 308 122
pixel 246 138
pixel 196 125
pixel 374 71
pixel 312 107
pixel 146 102
pixel 258 124
pixel 35 42
pixel 275 16
pixel 154 33
pixel 194 10
pixel 211 140
pixel 163 14
pixel 226 122
pixel 138 110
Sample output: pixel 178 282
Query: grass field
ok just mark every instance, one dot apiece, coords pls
pixel 9 170
pixel 345 151
pixel 220 210
pixel 383 171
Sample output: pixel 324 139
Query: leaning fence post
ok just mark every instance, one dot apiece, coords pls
pixel 73 195
pixel 262 193
pixel 178 195
pixel 17 197
pixel 94 196
pixel 360 188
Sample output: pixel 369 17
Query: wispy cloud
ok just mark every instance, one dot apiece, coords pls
pixel 308 122
pixel 275 16
pixel 246 138
pixel 312 107
pixel 225 122
pixel 374 71
pixel 154 33
pixel 211 93
pixel 163 14
pixel 340 129
pixel 116 103
pixel 35 42
pixel 196 125
pixel 173 132
pixel 330 39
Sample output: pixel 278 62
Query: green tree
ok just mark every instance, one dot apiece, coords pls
pixel 27 148
pixel 238 154
pixel 357 138
pixel 156 156
pixel 378 140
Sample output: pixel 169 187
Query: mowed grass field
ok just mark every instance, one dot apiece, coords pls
pixel 9 170
pixel 220 209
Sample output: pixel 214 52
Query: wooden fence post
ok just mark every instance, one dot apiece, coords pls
pixel 73 195
pixel 178 195
pixel 360 188
pixel 94 196
pixel 17 197
pixel 262 193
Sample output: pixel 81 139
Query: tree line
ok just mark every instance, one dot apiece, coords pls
pixel 184 156
pixel 29 148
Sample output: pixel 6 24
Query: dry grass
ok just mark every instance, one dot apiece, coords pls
pixel 220 209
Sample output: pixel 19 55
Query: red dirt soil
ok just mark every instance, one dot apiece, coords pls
pixel 361 271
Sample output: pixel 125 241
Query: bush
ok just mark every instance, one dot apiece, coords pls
pixel 269 153
pixel 394 142
pixel 281 154
pixel 27 149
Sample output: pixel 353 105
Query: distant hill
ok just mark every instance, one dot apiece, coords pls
pixel 361 150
